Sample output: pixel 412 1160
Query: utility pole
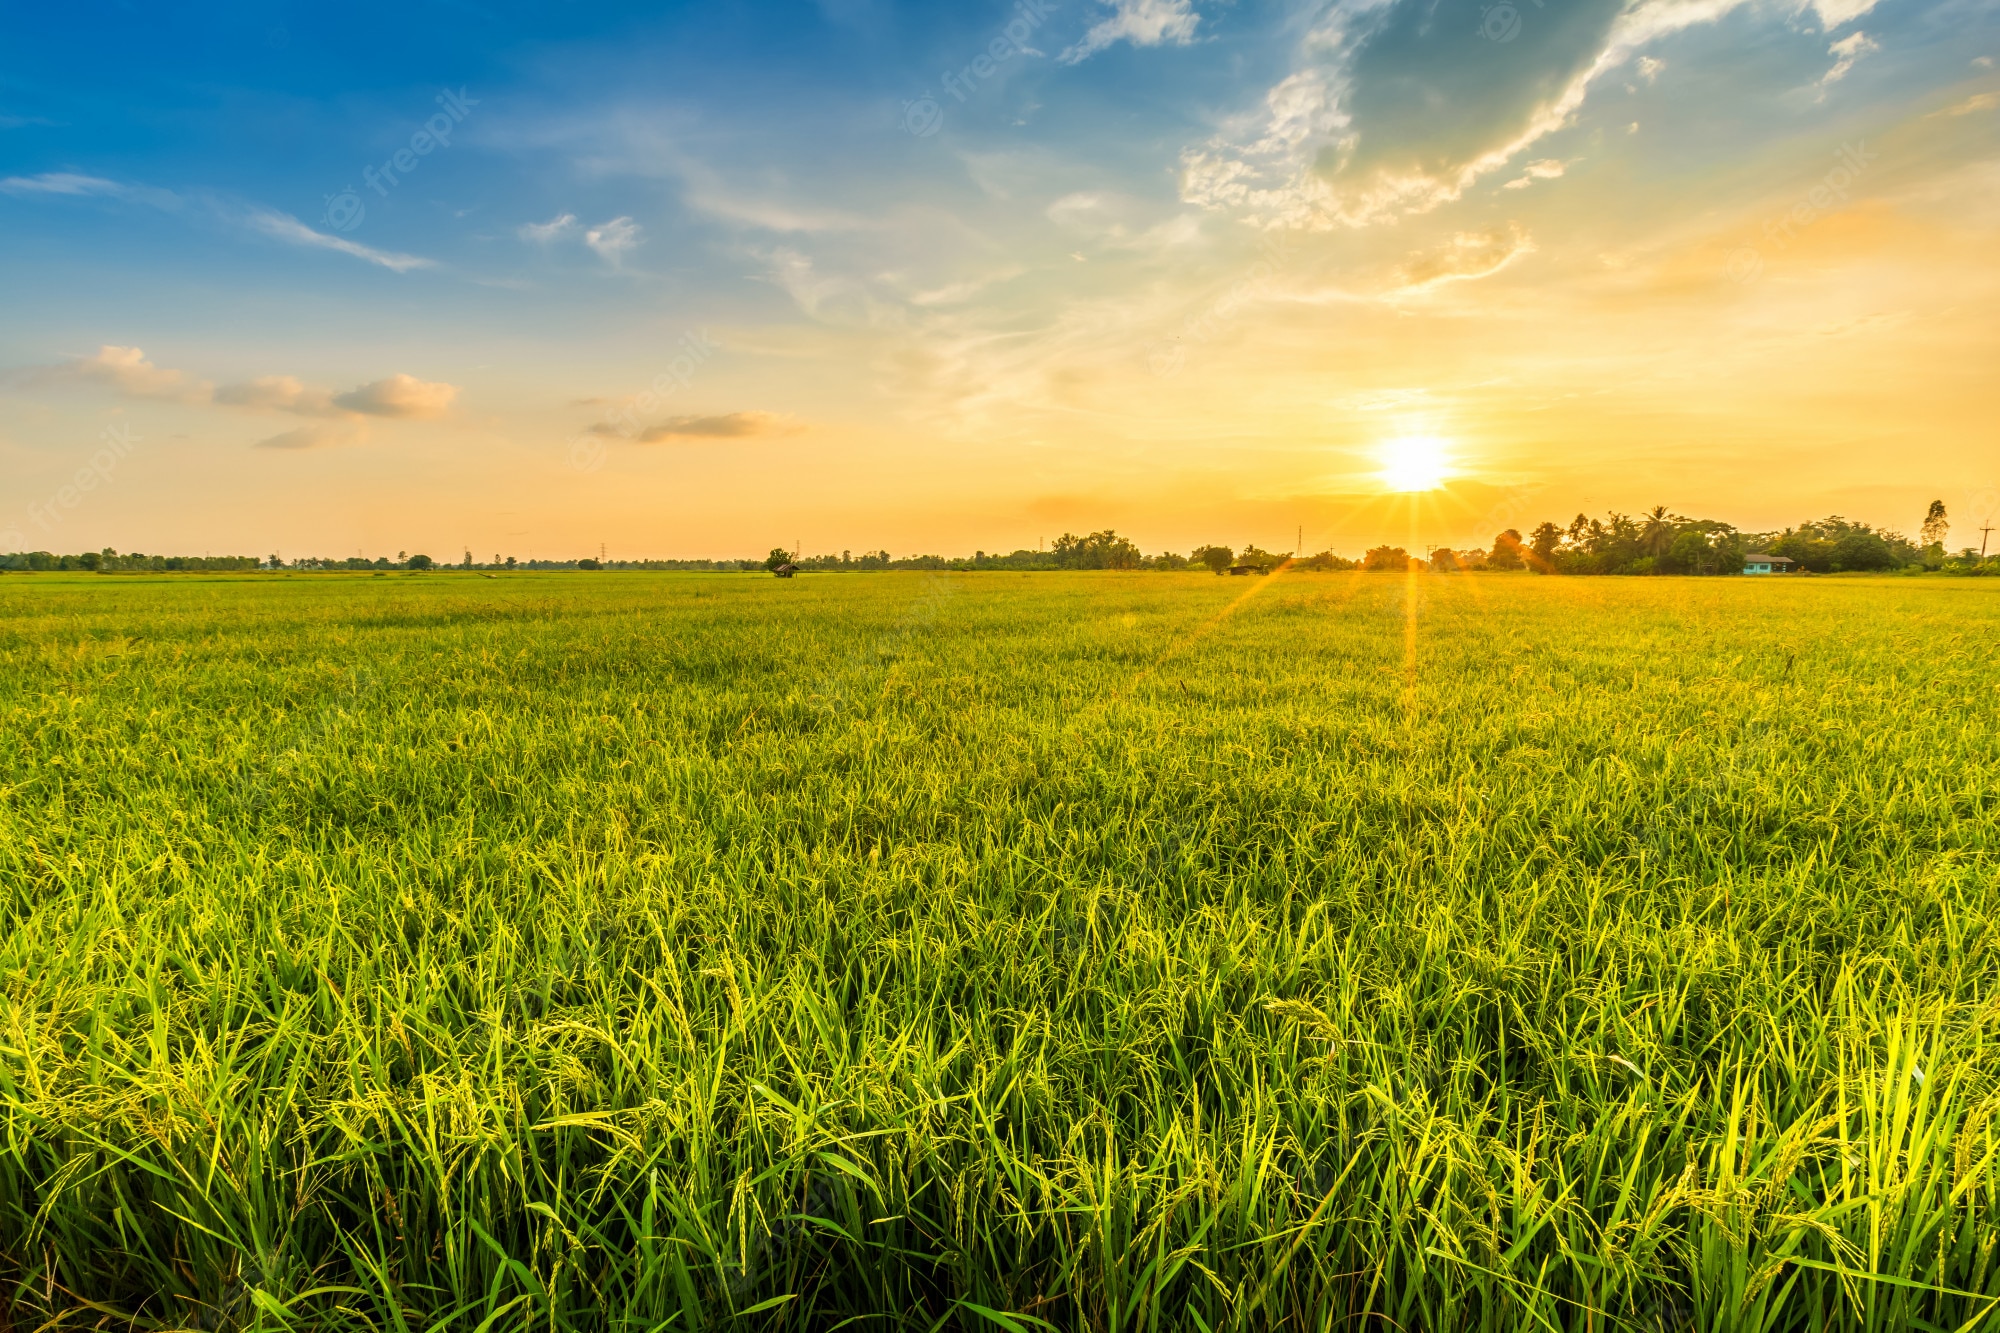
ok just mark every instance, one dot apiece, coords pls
pixel 1982 539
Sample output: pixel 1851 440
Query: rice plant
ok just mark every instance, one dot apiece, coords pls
pixel 1124 952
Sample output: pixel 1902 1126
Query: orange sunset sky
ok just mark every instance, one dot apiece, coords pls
pixel 691 281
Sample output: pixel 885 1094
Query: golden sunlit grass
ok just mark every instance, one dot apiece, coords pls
pixel 1136 952
pixel 1415 463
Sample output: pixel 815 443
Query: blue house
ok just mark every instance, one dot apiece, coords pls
pixel 1767 564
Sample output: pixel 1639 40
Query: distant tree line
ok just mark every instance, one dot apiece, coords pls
pixel 1656 542
pixel 1661 542
pixel 109 561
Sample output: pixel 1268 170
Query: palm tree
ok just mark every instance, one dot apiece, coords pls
pixel 1658 534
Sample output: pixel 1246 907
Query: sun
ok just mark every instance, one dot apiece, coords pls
pixel 1414 463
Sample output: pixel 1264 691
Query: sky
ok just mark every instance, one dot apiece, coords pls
pixel 700 280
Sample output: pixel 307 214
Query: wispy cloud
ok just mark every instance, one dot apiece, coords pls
pixel 562 224
pixel 1543 169
pixel 613 240
pixel 285 227
pixel 1845 52
pixel 1466 257
pixel 323 435
pixel 253 217
pixel 60 182
pixel 1140 22
pixel 727 426
pixel 1336 144
pixel 1977 102
pixel 78 186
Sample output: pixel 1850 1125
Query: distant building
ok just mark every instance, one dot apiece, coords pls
pixel 786 570
pixel 1768 564
pixel 1246 569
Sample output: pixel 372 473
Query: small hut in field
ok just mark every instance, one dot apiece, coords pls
pixel 786 570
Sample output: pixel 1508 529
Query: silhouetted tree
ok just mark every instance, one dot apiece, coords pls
pixel 1545 541
pixel 1217 558
pixel 1936 528
pixel 1100 550
pixel 1657 536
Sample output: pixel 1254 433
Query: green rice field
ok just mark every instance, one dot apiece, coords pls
pixel 1002 952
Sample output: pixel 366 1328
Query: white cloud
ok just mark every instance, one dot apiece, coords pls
pixel 1834 13
pixel 1140 22
pixel 1083 207
pixel 1466 257
pixel 280 393
pixel 399 396
pixel 1277 178
pixel 1845 52
pixel 613 240
pixel 125 370
pixel 285 227
pixel 543 232
pixel 1649 68
pixel 1542 169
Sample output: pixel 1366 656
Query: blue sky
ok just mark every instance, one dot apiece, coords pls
pixel 701 279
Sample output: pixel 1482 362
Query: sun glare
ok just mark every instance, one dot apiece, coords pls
pixel 1414 463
